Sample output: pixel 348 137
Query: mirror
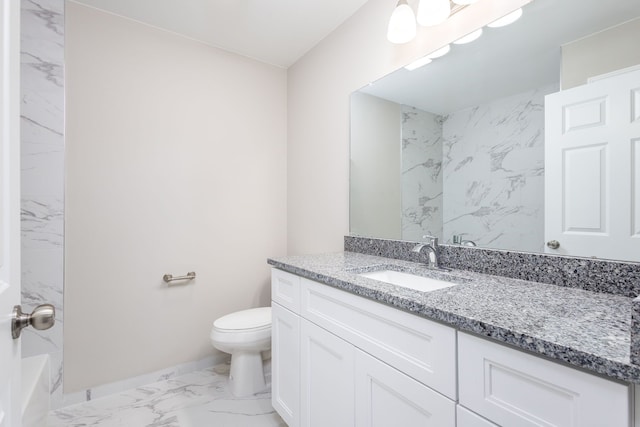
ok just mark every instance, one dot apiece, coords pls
pixel 456 148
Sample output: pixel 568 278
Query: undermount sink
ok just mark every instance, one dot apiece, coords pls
pixel 406 280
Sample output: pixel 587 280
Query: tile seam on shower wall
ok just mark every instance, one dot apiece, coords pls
pixel 605 276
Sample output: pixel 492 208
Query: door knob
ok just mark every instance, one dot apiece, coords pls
pixel 553 244
pixel 43 317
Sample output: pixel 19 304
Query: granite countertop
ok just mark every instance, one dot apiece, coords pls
pixel 585 329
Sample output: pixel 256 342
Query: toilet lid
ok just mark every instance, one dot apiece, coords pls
pixel 245 319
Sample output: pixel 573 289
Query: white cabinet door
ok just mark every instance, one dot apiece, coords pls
pixel 327 378
pixel 592 168
pixel 387 397
pixel 9 210
pixel 422 349
pixel 466 418
pixel 285 364
pixel 512 388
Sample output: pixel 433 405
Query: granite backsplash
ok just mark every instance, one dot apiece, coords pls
pixel 596 275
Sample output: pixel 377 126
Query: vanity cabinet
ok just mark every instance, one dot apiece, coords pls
pixel 513 388
pixel 285 364
pixel 327 364
pixel 343 360
pixel 360 363
pixel 385 396
pixel 466 418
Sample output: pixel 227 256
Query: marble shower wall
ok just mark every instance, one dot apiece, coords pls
pixel 421 179
pixel 42 145
pixel 494 172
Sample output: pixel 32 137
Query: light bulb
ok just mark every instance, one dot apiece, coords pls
pixel 464 1
pixel 402 24
pixel 418 63
pixel 469 37
pixel 507 19
pixel 433 12
pixel 440 52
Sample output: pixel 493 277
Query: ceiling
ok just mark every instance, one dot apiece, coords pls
pixel 277 32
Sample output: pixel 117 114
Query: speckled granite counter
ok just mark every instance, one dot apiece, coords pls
pixel 584 329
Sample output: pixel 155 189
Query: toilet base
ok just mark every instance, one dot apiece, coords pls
pixel 246 376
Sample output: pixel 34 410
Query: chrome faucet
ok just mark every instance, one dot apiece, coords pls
pixel 431 249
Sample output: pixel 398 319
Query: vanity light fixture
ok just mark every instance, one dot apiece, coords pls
pixel 418 63
pixel 402 25
pixel 469 37
pixel 433 12
pixel 440 52
pixel 507 19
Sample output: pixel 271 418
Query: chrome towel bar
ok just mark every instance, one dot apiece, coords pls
pixel 169 278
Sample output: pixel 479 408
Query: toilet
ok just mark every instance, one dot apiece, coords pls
pixel 245 335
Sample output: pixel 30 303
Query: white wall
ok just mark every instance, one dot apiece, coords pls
pixel 600 53
pixel 319 86
pixel 375 167
pixel 176 162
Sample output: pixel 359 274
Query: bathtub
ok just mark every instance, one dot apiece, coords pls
pixel 35 390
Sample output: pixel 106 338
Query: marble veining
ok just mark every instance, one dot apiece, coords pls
pixel 42 175
pixel 493 172
pixel 585 329
pixel 196 399
pixel 421 173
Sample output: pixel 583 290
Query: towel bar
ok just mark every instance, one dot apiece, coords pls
pixel 169 278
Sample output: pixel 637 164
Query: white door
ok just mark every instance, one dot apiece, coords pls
pixel 327 378
pixel 592 169
pixel 9 210
pixel 387 397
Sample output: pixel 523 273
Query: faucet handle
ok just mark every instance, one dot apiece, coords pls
pixel 432 240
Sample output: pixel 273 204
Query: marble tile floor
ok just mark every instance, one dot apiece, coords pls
pixel 197 399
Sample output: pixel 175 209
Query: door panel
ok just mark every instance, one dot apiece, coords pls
pixel 585 211
pixel 586 114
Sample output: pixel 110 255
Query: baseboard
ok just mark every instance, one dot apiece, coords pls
pixel 141 380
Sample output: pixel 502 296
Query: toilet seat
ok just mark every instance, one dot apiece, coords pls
pixel 254 319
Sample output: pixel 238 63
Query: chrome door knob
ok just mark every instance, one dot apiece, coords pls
pixel 553 244
pixel 43 317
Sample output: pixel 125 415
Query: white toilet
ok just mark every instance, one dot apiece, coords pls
pixel 244 334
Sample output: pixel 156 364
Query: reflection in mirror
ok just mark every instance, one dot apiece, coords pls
pixel 461 147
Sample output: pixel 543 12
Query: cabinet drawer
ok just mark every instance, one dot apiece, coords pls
pixel 466 418
pixel 513 388
pixel 420 348
pixel 387 397
pixel 285 289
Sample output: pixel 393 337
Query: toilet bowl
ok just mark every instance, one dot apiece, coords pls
pixel 244 334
